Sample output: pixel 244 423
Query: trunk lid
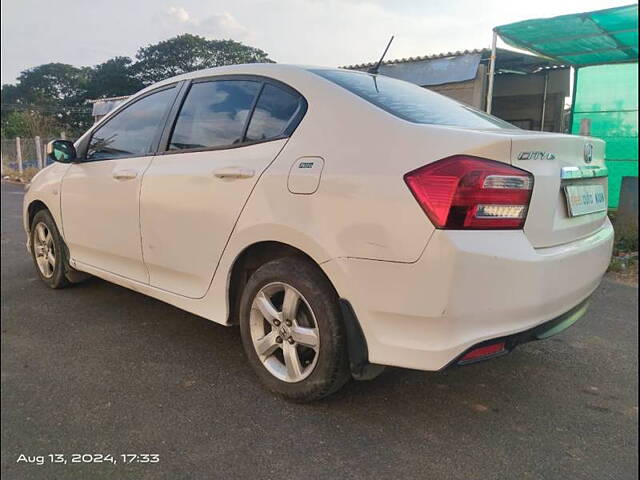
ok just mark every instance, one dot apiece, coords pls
pixel 558 161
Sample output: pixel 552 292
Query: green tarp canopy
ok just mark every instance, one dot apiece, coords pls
pixel 602 46
pixel 581 39
pixel 607 96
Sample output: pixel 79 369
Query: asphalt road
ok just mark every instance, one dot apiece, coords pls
pixel 100 369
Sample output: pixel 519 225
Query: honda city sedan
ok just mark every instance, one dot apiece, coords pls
pixel 346 221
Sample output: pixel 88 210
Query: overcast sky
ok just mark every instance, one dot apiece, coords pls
pixel 312 32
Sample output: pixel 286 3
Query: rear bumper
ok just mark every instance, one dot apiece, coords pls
pixel 467 287
pixel 540 332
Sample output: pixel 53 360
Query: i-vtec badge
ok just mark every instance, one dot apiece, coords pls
pixel 536 156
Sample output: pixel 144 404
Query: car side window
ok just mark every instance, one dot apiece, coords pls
pixel 134 131
pixel 273 113
pixel 214 114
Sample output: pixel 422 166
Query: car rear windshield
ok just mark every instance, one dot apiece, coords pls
pixel 411 102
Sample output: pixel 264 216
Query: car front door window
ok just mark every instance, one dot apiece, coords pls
pixel 134 131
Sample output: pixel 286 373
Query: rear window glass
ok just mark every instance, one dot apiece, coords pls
pixel 411 102
pixel 273 113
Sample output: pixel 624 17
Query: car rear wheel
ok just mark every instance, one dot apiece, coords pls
pixel 292 330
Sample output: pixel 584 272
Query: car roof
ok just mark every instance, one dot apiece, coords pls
pixel 266 69
pixel 293 75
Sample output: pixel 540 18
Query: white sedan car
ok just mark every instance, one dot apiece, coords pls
pixel 345 221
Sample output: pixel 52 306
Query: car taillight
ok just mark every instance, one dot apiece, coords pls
pixel 483 352
pixel 462 192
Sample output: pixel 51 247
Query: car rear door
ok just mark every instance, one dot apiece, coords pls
pixel 100 193
pixel 226 133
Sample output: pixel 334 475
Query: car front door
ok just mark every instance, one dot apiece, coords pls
pixel 100 193
pixel 226 133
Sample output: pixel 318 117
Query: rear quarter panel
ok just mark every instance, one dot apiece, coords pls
pixel 362 208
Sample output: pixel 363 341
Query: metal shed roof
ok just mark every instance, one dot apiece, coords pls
pixel 457 66
pixel 581 39
pixel 102 106
pixel 507 59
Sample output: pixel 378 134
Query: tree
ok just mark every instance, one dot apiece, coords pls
pixel 28 124
pixel 13 124
pixel 187 53
pixel 11 101
pixel 52 83
pixel 54 95
pixel 113 78
pixel 53 89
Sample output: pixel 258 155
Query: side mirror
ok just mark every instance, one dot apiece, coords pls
pixel 61 151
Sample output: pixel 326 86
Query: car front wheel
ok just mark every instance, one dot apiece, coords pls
pixel 48 250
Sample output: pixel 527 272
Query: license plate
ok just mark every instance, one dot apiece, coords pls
pixel 585 199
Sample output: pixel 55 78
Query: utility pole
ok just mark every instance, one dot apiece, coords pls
pixel 492 70
pixel 544 100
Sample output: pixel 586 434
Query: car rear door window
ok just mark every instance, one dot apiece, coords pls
pixel 273 113
pixel 134 131
pixel 214 114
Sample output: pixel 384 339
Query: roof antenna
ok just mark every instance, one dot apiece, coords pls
pixel 375 69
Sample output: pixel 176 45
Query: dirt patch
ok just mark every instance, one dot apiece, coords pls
pixel 15 176
pixel 624 268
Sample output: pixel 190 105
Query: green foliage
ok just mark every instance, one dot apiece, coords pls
pixel 113 78
pixel 11 101
pixel 10 95
pixel 53 90
pixel 28 124
pixel 187 53
pixel 52 83
pixel 54 95
pixel 14 125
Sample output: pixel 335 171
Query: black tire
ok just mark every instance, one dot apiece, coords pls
pixel 58 278
pixel 331 369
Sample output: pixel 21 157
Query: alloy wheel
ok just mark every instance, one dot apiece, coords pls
pixel 44 249
pixel 284 332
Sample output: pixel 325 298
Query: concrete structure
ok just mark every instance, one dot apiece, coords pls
pixel 102 106
pixel 519 87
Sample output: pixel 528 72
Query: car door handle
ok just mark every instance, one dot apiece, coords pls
pixel 125 174
pixel 233 172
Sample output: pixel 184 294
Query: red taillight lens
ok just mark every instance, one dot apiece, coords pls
pixel 463 192
pixel 486 351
